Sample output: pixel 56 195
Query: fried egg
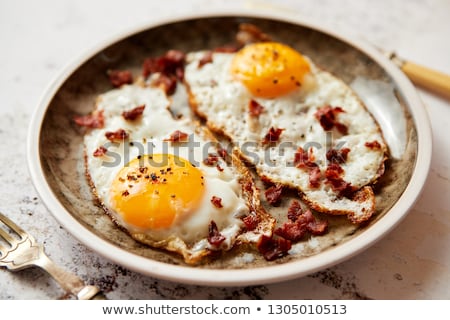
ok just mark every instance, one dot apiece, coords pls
pixel 299 125
pixel 163 181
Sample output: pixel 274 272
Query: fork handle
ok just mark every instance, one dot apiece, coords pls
pixel 68 281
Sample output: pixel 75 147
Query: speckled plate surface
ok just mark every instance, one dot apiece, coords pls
pixel 55 145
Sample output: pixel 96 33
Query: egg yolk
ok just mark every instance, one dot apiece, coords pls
pixel 153 191
pixel 269 69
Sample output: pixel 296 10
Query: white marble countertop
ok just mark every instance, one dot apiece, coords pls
pixel 38 38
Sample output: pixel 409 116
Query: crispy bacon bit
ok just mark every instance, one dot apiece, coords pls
pixel 273 194
pixel 337 155
pixel 251 221
pixel 168 64
pixel 327 117
pixel 178 136
pixel 300 223
pixel 120 77
pixel 223 153
pixel 294 210
pixel 315 175
pixel 217 202
pixel 211 160
pixel 207 58
pixel 168 83
pixel 214 236
pixel 273 135
pixel 303 160
pixel 338 184
pixel 133 114
pixel 116 135
pixel 273 248
pixel 218 167
pixel 100 151
pixel 125 193
pixel 374 145
pixel 254 108
pixel 249 33
pixel 93 121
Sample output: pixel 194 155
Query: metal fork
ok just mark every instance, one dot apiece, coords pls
pixel 24 252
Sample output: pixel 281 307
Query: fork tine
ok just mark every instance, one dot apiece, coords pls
pixel 6 236
pixel 12 225
pixel 3 250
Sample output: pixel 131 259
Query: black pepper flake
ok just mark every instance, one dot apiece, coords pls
pixel 147 177
pixel 275 81
pixel 172 196
pixel 297 83
pixel 168 169
pixel 139 156
pixel 154 176
pixel 131 144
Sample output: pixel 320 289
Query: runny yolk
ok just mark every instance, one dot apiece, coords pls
pixel 152 191
pixel 269 69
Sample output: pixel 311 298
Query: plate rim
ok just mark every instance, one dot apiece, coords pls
pixel 235 277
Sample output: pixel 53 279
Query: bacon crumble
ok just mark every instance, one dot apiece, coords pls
pixel 273 248
pixel 337 155
pixel 133 114
pixel 211 160
pixel 272 136
pixel 304 160
pixel 214 236
pixel 338 184
pixel 251 221
pixel 177 136
pixel 120 134
pixel 93 121
pixel 120 77
pixel 273 194
pixel 254 108
pixel 300 222
pixel 168 83
pixel 100 151
pixel 327 117
pixel 374 145
pixel 168 64
pixel 217 202
pixel 207 58
pixel 170 67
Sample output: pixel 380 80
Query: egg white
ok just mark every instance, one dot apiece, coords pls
pixel 223 101
pixel 146 135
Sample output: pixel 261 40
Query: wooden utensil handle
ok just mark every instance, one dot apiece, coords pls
pixel 429 79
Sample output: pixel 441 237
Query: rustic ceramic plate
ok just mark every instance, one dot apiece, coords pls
pixel 56 153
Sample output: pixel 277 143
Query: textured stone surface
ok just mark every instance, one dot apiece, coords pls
pixel 40 38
